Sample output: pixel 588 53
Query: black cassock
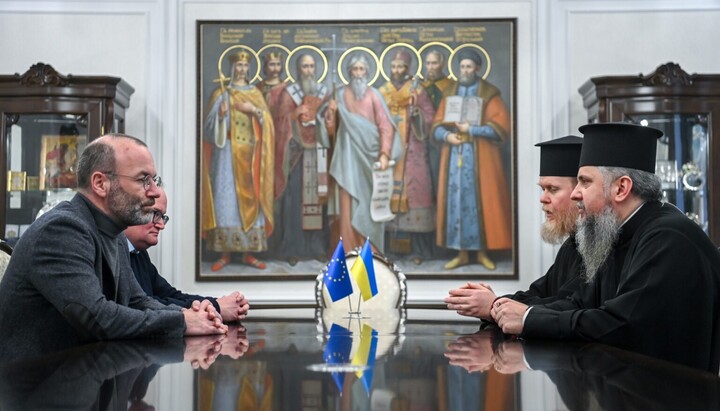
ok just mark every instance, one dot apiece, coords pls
pixel 562 279
pixel 658 294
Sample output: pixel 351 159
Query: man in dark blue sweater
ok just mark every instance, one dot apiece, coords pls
pixel 232 307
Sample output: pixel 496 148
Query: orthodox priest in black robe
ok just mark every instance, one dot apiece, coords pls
pixel 657 289
pixel 559 160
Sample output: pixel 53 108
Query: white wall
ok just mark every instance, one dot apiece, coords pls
pixel 151 44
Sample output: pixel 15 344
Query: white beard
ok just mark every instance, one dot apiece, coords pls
pixel 359 86
pixel 596 236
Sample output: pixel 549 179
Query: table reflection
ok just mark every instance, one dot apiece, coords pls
pixel 349 364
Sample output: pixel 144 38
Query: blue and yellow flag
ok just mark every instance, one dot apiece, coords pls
pixel 365 355
pixel 336 278
pixel 363 272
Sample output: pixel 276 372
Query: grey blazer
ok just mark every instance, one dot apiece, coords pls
pixel 69 282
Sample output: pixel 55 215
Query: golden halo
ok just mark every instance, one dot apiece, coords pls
pixel 441 44
pixel 482 50
pixel 382 58
pixel 359 48
pixel 239 46
pixel 276 46
pixel 313 48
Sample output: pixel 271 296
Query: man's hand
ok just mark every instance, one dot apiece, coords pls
pixel 472 300
pixel 453 139
pixel 463 127
pixel 236 344
pixel 233 307
pixel 472 352
pixel 223 108
pixel 302 112
pixel 201 352
pixel 245 107
pixel 384 161
pixel 509 357
pixel 508 314
pixel 203 319
pixel 330 116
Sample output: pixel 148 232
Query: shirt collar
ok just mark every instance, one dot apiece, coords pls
pixel 132 248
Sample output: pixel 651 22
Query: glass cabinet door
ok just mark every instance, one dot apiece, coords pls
pixel 42 154
pixel 46 120
pixel 686 107
pixel 682 161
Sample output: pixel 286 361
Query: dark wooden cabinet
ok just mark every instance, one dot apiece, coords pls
pixel 46 119
pixel 686 107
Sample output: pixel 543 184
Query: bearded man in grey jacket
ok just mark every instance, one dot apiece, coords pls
pixel 69 281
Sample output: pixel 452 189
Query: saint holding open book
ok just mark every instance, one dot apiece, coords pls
pixel 473 202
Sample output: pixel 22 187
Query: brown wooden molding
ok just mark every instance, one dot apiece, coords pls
pixel 41 74
pixel 669 74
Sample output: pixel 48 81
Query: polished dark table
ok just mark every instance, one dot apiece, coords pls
pixel 300 359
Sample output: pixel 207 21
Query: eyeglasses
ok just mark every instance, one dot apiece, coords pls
pixel 146 179
pixel 158 217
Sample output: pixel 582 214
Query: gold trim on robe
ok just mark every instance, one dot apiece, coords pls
pixel 253 148
pixel 493 191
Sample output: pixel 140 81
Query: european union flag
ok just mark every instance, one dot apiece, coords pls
pixel 363 271
pixel 337 280
pixel 337 351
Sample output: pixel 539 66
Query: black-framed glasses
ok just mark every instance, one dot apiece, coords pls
pixel 146 180
pixel 158 217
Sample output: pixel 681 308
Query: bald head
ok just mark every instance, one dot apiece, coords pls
pixel 101 155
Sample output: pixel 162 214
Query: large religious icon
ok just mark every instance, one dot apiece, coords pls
pixel 400 132
pixel 58 160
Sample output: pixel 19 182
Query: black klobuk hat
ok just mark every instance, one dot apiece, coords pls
pixel 560 157
pixel 619 145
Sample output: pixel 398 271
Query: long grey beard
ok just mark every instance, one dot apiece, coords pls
pixel 468 80
pixel 596 236
pixel 308 85
pixel 359 87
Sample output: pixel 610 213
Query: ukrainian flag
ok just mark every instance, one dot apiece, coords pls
pixel 363 271
pixel 365 355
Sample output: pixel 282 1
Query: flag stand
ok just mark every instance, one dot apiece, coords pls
pixel 352 313
pixel 355 314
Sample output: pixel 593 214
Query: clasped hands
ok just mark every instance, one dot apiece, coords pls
pixel 475 353
pixel 479 300
pixel 202 351
pixel 233 307
pixel 203 319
